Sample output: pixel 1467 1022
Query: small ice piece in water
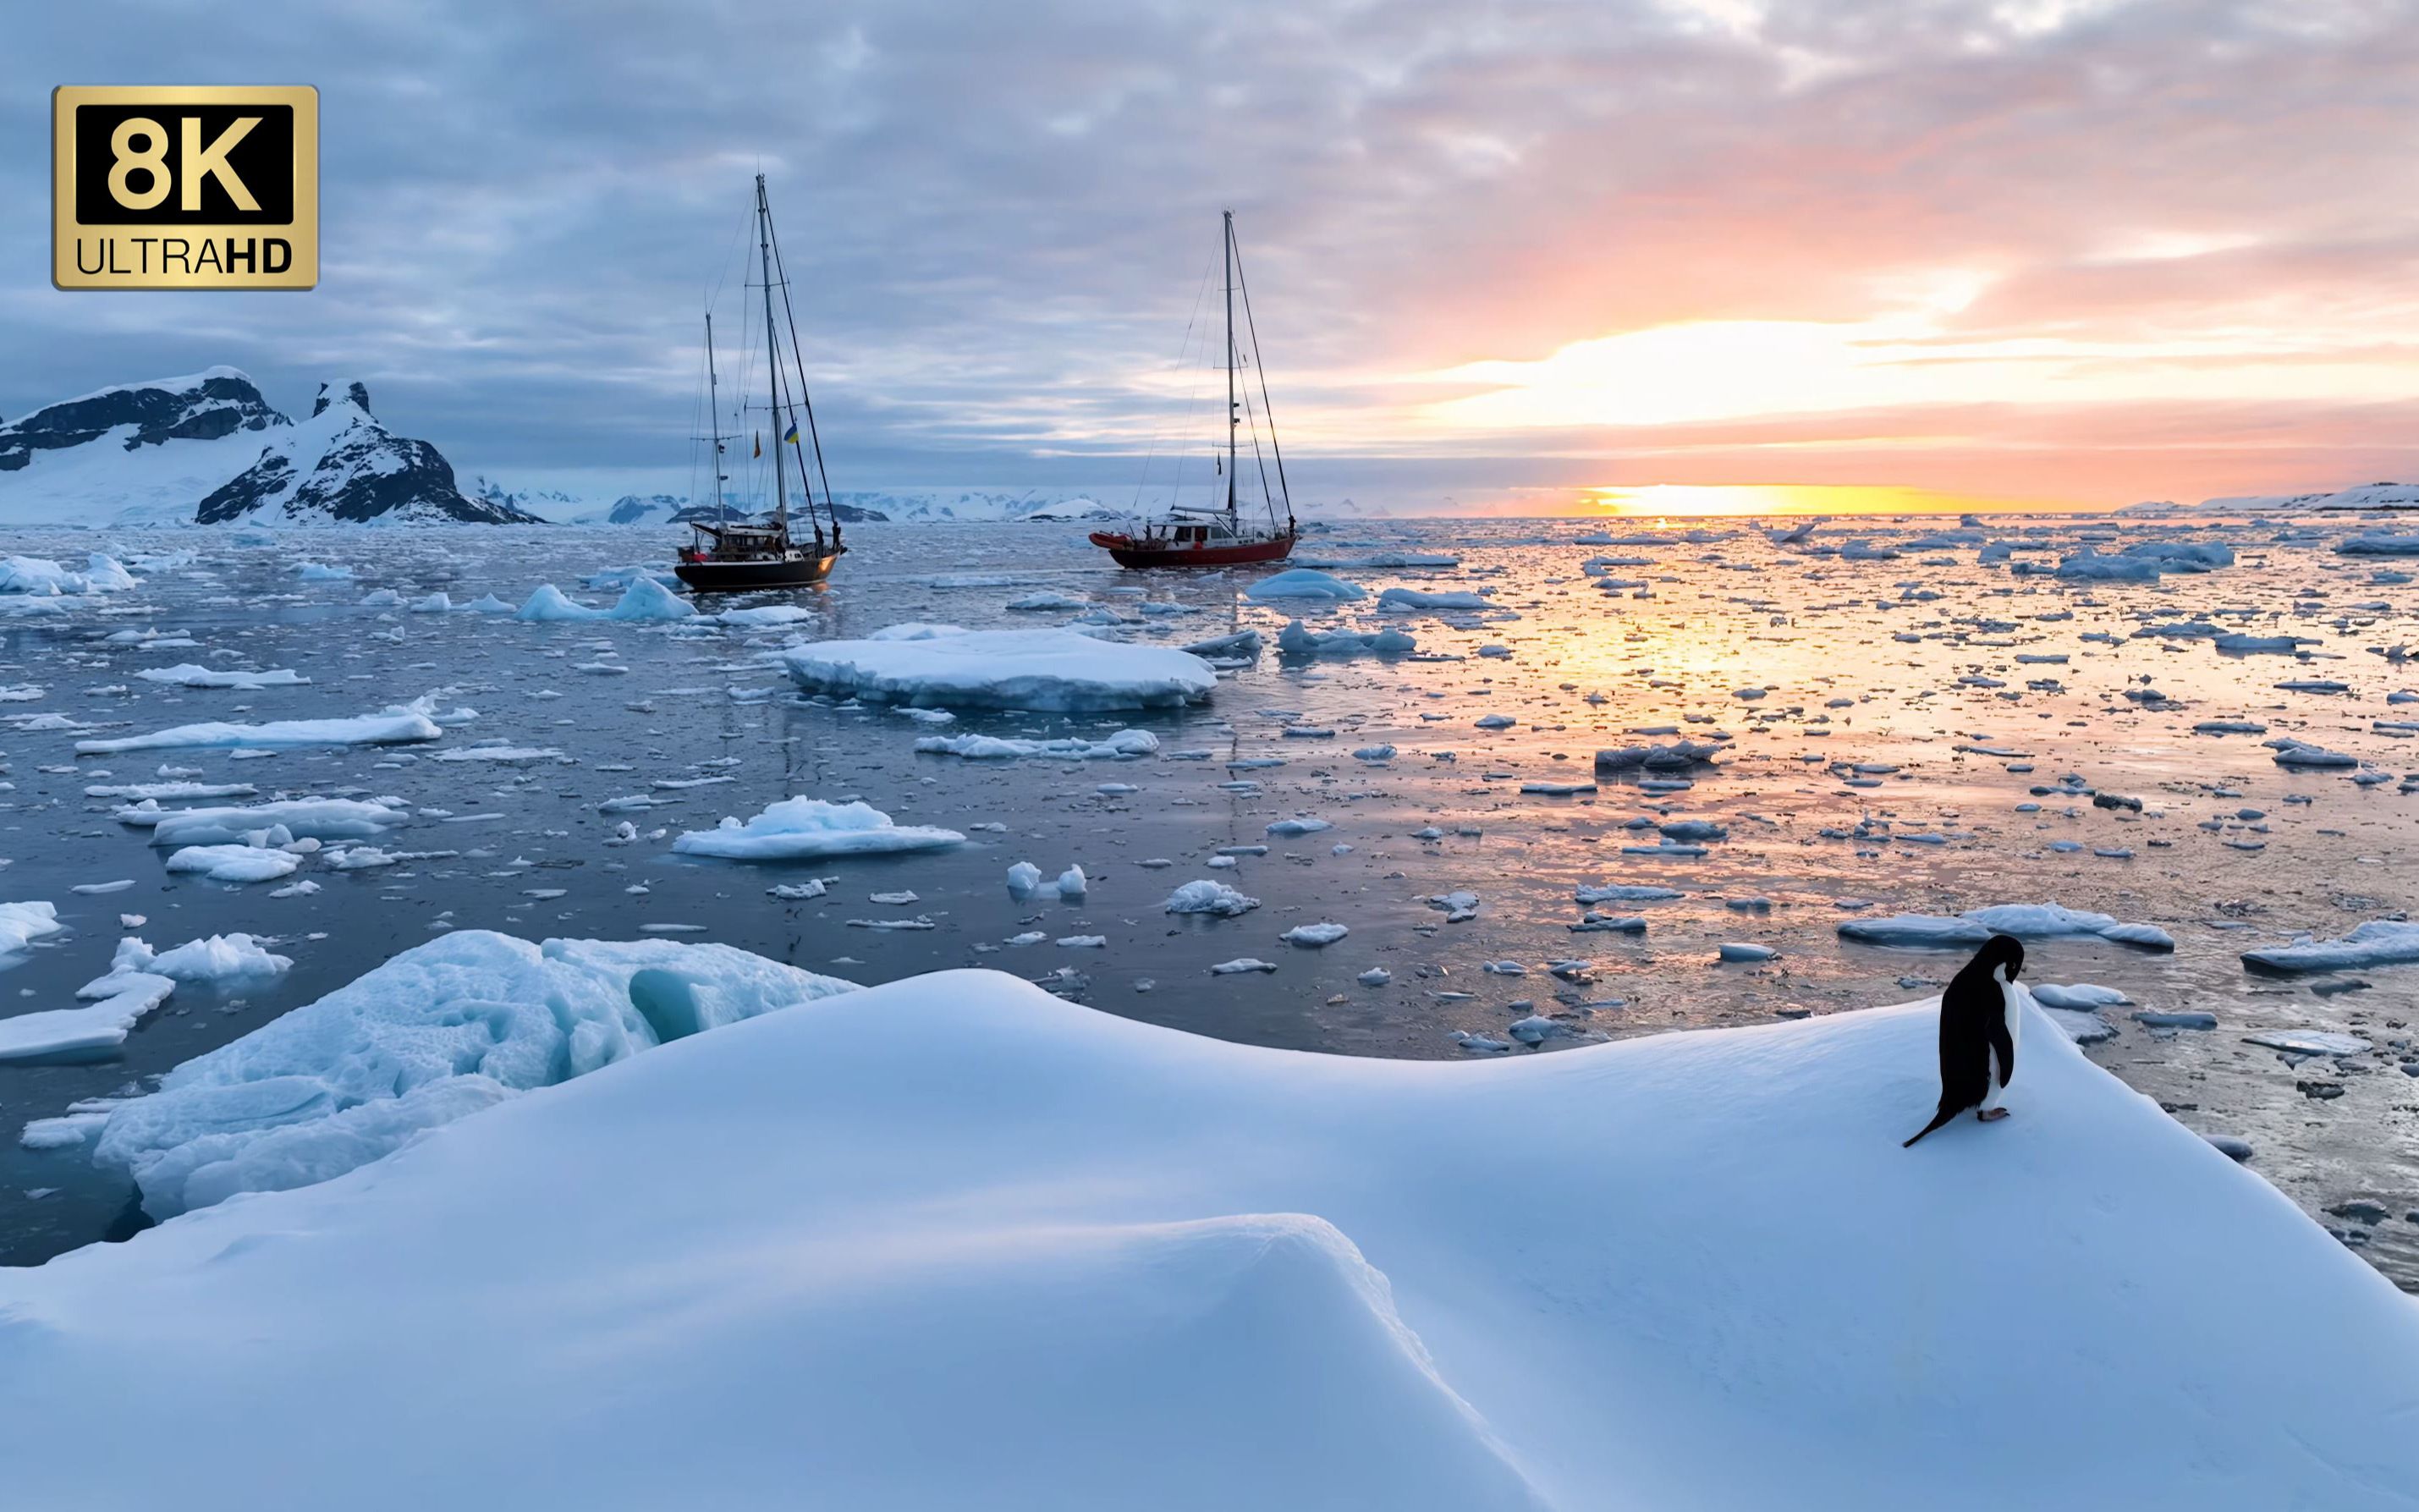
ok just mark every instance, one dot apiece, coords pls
pixel 1290 827
pixel 1375 977
pixel 1240 965
pixel 234 863
pixel 1208 897
pixel 1323 934
pixel 1023 877
pixel 1742 950
pixel 1304 582
pixel 804 828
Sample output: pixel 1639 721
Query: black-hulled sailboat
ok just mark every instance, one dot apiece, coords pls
pixel 1215 534
pixel 727 555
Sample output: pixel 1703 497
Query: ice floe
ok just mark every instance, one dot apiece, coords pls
pixel 801 829
pixel 1044 670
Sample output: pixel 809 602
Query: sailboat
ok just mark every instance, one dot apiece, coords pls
pixel 1215 534
pixel 727 555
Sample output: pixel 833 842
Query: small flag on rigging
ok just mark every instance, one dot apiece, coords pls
pixel 759 443
pixel 790 436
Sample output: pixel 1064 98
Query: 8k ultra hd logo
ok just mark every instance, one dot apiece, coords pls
pixel 160 187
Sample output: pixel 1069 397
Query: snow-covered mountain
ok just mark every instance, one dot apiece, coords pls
pixel 2366 496
pixel 207 448
pixel 137 452
pixel 342 466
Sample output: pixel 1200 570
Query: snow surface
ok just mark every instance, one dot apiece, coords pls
pixel 1032 1264
pixel 801 829
pixel 942 667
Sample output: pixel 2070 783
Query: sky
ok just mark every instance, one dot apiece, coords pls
pixel 2059 252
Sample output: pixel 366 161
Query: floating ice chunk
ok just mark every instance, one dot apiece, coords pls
pixel 1678 755
pixel 2082 994
pixel 2310 1041
pixel 801 829
pixel 1046 600
pixel 1323 934
pixel 436 603
pixel 1044 669
pixel 1240 965
pixel 2182 556
pixel 1071 883
pixel 1023 877
pixel 1296 640
pixel 317 818
pixel 1742 950
pixel 1208 897
pixel 762 615
pixel 508 755
pixel 1240 646
pixel 1375 977
pixel 1480 1044
pixel 442 1030
pixel 1304 582
pixel 487 604
pixel 2380 545
pixel 1374 753
pixel 397 725
pixel 186 674
pixel 1414 601
pixel 2151 1019
pixel 234 863
pixel 2381 942
pixel 2090 567
pixel 21 924
pixel 2291 752
pixel 2031 921
pixel 1458 906
pixel 547 603
pixel 1125 745
pixel 214 958
pixel 1288 828
pixel 78 1034
pixel 319 572
pixel 1625 892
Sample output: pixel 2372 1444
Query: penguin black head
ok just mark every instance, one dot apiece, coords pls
pixel 2001 950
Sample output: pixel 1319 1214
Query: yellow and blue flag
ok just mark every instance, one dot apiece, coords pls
pixel 790 435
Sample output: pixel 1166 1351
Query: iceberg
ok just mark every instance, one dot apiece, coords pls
pixel 1056 671
pixel 443 1029
pixel 710 1275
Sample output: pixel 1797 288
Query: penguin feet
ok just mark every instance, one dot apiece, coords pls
pixel 1992 1114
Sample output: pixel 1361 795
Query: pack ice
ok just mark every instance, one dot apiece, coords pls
pixel 780 1260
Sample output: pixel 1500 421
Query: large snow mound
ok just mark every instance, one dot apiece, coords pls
pixel 1049 669
pixel 1045 1257
pixel 444 1029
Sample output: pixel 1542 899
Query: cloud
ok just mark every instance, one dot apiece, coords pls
pixel 1541 237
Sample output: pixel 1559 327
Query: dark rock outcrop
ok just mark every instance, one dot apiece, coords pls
pixel 201 407
pixel 342 466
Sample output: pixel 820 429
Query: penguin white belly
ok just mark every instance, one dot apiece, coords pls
pixel 2011 1001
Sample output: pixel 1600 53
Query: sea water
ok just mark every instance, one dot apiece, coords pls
pixel 1884 712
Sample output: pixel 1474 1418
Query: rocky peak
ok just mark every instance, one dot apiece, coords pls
pixel 355 392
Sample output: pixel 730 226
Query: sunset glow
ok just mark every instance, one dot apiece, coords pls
pixel 1687 501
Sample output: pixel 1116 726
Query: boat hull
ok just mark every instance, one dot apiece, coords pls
pixel 741 577
pixel 1128 552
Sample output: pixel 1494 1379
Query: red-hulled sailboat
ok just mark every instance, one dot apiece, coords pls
pixel 1215 534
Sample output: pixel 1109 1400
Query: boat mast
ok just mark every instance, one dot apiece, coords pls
pixel 772 359
pixel 714 421
pixel 1233 419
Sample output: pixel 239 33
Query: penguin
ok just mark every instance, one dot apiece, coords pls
pixel 1979 1015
